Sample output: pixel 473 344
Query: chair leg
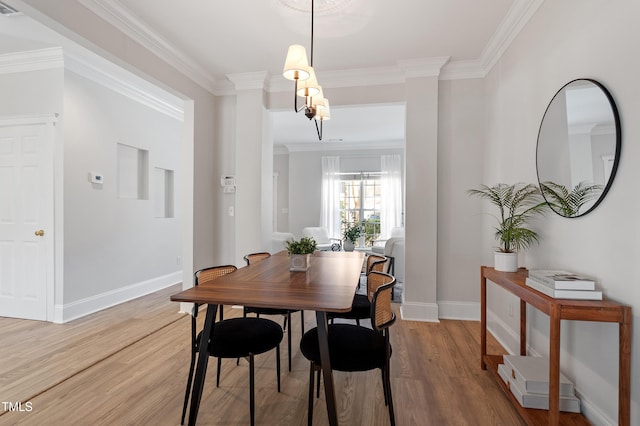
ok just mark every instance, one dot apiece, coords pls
pixel 318 384
pixel 288 317
pixel 218 372
pixel 384 386
pixel 278 365
pixel 187 392
pixel 358 322
pixel 251 391
pixel 302 321
pixel 392 416
pixel 310 408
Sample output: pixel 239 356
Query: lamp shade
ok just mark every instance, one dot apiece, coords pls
pixel 323 113
pixel 296 65
pixel 310 86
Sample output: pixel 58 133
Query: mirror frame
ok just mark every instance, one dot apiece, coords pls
pixel 614 169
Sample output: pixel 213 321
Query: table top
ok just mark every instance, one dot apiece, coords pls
pixel 571 309
pixel 328 285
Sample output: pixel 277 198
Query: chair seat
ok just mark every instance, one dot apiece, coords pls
pixel 352 348
pixel 360 309
pixel 240 337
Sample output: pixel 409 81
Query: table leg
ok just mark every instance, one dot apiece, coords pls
pixel 325 361
pixel 203 360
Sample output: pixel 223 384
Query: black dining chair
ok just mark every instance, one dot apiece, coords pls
pixel 286 313
pixel 354 348
pixel 233 338
pixel 361 306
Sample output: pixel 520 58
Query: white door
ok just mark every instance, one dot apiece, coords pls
pixel 26 218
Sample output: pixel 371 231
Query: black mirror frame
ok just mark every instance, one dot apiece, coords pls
pixel 614 169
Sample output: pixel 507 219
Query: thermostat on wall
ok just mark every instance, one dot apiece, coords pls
pixel 97 178
pixel 228 184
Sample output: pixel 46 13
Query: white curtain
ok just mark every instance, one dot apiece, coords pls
pixel 330 206
pixel 391 191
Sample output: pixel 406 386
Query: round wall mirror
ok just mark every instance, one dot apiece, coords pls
pixel 578 147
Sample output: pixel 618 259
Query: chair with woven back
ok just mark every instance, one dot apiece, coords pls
pixel 286 313
pixel 233 338
pixel 354 348
pixel 361 306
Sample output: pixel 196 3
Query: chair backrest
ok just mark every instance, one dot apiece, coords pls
pixel 376 263
pixel 256 257
pixel 379 288
pixel 318 233
pixel 205 275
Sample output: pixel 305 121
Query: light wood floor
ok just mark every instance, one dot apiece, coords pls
pixel 128 365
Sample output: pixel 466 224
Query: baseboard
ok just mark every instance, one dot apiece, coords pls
pixel 507 337
pixel 466 311
pixel 79 308
pixel 426 312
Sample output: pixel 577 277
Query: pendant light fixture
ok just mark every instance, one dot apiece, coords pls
pixel 296 68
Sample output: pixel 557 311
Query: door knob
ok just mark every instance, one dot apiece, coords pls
pixel 39 233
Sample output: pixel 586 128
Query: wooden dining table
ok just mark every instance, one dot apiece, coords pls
pixel 327 286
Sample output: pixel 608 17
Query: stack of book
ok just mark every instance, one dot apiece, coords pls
pixel 563 285
pixel 527 378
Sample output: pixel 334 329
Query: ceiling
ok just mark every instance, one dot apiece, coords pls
pixel 216 39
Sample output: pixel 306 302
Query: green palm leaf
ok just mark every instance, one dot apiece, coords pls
pixel 517 205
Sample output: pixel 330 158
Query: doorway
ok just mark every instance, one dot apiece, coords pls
pixel 26 216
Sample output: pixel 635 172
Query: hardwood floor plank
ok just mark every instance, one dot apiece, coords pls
pixel 128 366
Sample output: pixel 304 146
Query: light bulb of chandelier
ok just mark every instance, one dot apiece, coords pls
pixel 310 86
pixel 296 65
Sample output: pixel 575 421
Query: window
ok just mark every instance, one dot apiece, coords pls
pixel 360 200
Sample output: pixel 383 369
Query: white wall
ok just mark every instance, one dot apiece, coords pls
pixel 201 140
pixel 567 40
pixel 281 167
pixel 112 243
pixel 461 143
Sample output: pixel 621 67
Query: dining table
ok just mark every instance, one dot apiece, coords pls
pixel 328 285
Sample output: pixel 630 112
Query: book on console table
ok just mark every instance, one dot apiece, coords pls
pixel 563 294
pixel 563 280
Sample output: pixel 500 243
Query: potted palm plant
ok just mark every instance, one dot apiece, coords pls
pixel 351 233
pixel 300 253
pixel 517 205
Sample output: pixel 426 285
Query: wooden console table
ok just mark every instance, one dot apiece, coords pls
pixel 557 310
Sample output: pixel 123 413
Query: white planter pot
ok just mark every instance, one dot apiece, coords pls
pixel 299 262
pixel 506 262
pixel 348 245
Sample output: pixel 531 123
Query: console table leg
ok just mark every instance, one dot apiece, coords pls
pixel 523 327
pixel 554 365
pixel 483 318
pixel 624 370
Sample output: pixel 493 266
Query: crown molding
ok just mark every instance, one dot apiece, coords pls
pixel 33 60
pixel 426 67
pixel 115 14
pixel 516 18
pixel 249 80
pixel 123 82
